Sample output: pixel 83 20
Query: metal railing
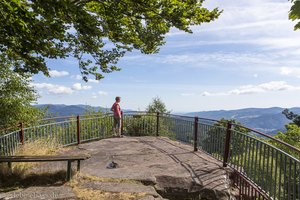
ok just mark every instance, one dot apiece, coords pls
pixel 261 169
pixel 67 130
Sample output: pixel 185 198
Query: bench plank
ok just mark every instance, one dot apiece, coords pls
pixel 43 158
pixel 69 159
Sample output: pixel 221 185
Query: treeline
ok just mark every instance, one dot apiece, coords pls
pixel 16 98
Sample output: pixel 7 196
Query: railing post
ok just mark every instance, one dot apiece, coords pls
pixel 157 124
pixel 21 133
pixel 196 134
pixel 78 129
pixel 227 144
pixel 69 170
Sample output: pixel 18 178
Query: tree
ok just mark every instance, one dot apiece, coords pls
pixel 295 13
pixel 146 124
pixel 236 125
pixel 35 30
pixel 292 116
pixel 157 105
pixel 292 135
pixel 15 98
pixel 215 136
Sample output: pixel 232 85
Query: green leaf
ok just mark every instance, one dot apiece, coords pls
pixel 35 30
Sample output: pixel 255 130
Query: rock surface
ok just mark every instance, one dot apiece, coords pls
pixel 171 167
pixel 121 187
pixel 156 167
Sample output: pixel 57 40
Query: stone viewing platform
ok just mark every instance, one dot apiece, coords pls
pixel 163 156
pixel 146 168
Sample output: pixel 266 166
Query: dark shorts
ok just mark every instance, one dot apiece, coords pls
pixel 117 122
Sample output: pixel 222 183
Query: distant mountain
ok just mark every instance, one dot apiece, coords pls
pixel 268 120
pixel 67 110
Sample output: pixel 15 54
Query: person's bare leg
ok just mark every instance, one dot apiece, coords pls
pixel 120 135
pixel 119 128
pixel 114 131
pixel 115 128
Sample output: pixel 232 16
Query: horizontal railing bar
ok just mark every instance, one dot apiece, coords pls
pixel 270 137
pixel 200 118
pixel 185 120
pixel 53 123
pixel 8 134
pixel 100 117
pixel 97 114
pixel 213 125
pixel 6 129
pixel 140 112
pixel 60 117
pixel 72 116
pixel 183 116
pixel 268 144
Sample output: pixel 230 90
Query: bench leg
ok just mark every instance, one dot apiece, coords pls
pixel 69 170
pixel 9 167
pixel 78 165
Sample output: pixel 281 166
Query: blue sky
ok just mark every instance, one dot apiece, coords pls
pixel 249 57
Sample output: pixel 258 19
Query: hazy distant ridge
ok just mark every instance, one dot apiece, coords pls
pixel 67 110
pixel 268 120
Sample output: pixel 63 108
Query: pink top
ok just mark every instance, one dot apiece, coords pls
pixel 116 109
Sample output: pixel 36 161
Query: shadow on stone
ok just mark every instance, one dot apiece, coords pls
pixel 19 179
pixel 177 188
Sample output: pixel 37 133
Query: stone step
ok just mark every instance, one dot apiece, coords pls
pixel 40 193
pixel 149 197
pixel 122 187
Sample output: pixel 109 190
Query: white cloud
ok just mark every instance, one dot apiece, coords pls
pixel 78 86
pixel 234 27
pixel 206 94
pixel 187 94
pixel 77 77
pixel 278 42
pixel 249 89
pixel 93 81
pixel 201 59
pixel 94 97
pixel 245 22
pixel 263 42
pixel 103 93
pixel 277 86
pixel 55 73
pixel 254 89
pixel 285 70
pixel 290 71
pixel 52 88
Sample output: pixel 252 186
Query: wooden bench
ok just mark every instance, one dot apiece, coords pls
pixel 56 158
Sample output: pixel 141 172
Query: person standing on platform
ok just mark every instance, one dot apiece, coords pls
pixel 117 117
